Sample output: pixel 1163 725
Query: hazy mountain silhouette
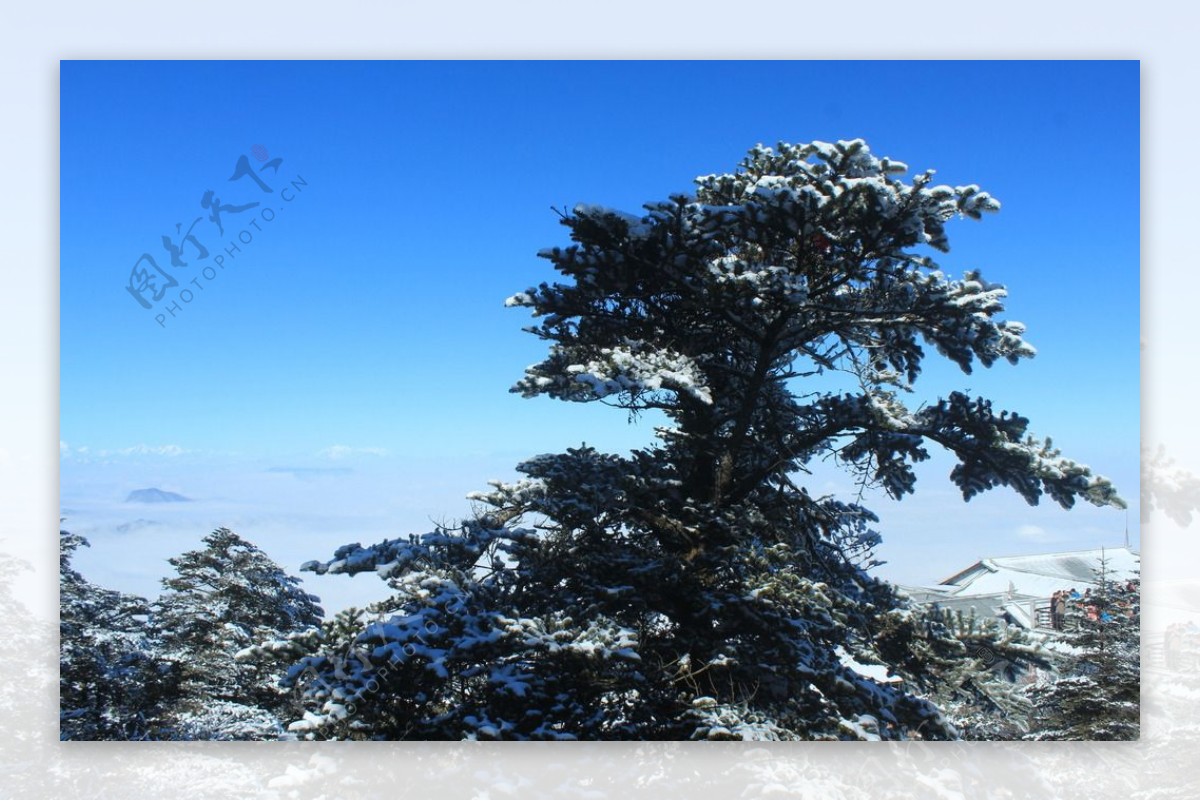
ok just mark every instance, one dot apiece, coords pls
pixel 154 495
pixel 135 525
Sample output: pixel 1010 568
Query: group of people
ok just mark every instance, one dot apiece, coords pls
pixel 1058 606
pixel 1060 599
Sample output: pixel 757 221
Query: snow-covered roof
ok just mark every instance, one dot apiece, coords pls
pixel 1020 615
pixel 1040 575
pixel 923 595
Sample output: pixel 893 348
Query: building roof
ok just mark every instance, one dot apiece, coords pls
pixel 1040 575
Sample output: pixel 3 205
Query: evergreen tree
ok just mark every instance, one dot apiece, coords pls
pixel 971 669
pixel 692 589
pixel 333 645
pixel 113 685
pixel 1096 694
pixel 225 598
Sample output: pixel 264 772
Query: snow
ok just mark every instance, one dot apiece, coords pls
pixel 877 673
pixel 637 226
pixel 866 727
pixel 633 368
pixel 1041 574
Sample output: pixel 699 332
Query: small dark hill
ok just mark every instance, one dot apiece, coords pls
pixel 155 495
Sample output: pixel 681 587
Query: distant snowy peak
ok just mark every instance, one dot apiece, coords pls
pixel 154 495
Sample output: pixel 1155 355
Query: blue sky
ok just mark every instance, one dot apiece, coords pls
pixel 346 374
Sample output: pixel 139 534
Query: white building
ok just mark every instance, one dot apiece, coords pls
pixel 1017 589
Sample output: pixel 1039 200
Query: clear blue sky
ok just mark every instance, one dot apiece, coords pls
pixel 362 330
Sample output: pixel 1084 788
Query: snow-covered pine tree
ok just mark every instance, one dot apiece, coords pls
pixel 113 685
pixel 1096 694
pixel 972 669
pixel 224 598
pixel 693 588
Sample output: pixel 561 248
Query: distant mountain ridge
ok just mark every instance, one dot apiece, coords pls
pixel 136 525
pixel 155 495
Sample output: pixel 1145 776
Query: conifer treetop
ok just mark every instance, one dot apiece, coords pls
pixel 739 311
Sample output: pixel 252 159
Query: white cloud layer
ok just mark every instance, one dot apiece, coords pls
pixel 83 452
